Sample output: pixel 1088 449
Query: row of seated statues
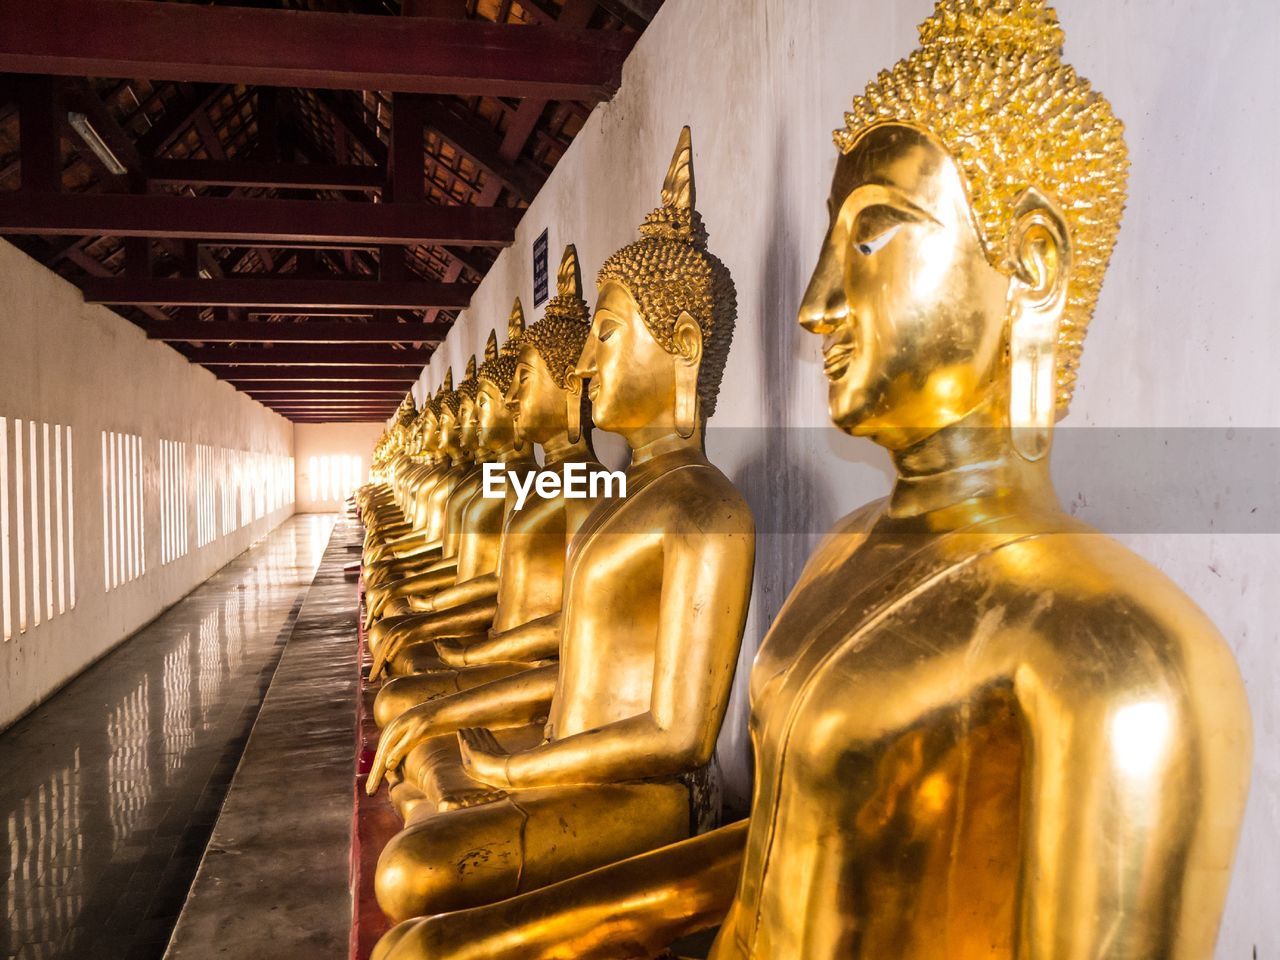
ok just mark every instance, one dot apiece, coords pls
pixel 980 728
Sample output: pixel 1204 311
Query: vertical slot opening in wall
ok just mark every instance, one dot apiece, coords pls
pixel 47 491
pixel 182 498
pixel 61 531
pixel 164 503
pixel 33 519
pixel 19 508
pixel 131 497
pixel 118 505
pixel 106 518
pixel 115 509
pixel 142 516
pixel 71 520
pixel 6 595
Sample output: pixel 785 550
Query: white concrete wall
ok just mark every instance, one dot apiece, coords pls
pixel 328 457
pixel 1184 340
pixel 64 362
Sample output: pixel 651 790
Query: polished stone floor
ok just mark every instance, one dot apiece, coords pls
pixel 109 791
pixel 278 885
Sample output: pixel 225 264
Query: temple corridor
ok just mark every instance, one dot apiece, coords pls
pixel 112 787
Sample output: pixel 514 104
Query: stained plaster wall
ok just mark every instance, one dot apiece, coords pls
pixel 1169 444
pixel 330 440
pixel 63 361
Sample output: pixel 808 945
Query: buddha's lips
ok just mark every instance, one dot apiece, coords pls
pixel 837 359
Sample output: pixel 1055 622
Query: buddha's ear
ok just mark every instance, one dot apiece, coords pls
pixel 1040 249
pixel 688 338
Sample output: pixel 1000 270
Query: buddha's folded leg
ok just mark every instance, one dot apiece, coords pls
pixel 407 798
pixel 400 693
pixel 436 768
pixel 476 855
pixel 419 657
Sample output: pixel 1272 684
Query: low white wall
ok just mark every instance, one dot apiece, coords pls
pixel 71 365
pixel 1183 345
pixel 330 460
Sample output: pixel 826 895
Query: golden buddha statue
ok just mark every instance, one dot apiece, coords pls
pixel 417 555
pixel 980 727
pixel 414 478
pixel 430 499
pixel 469 582
pixel 545 400
pixel 403 583
pixel 608 754
pixel 378 499
pixel 460 438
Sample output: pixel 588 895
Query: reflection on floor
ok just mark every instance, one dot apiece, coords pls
pixel 109 792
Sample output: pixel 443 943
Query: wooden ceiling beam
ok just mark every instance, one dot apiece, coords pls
pixel 305 354
pixel 308 332
pixel 281 293
pixel 237 219
pixel 294 48
pixel 250 173
pixel 249 375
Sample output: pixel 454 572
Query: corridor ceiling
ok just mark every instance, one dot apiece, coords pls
pixel 299 195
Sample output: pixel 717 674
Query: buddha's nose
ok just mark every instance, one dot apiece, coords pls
pixel 586 368
pixel 824 300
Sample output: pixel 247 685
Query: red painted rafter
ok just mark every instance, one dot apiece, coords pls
pixel 308 332
pixel 237 219
pixel 337 374
pixel 291 48
pixel 249 173
pixel 280 293
pixel 307 354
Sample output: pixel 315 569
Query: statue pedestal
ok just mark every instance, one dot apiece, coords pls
pixel 374 820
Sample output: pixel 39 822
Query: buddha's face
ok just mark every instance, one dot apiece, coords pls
pixel 493 420
pixel 428 436
pixel 536 403
pixel 911 313
pixel 448 433
pixel 467 428
pixel 632 378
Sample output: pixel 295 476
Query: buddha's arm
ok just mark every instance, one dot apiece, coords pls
pixel 510 702
pixel 536 640
pixel 1108 810
pixel 380 594
pixel 706 583
pixel 482 587
pixel 633 908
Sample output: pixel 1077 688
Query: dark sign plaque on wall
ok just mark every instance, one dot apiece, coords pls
pixel 540 270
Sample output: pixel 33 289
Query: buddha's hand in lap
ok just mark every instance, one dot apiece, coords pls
pixel 398 738
pixel 453 651
pixel 456 799
pixel 391 645
pixel 483 757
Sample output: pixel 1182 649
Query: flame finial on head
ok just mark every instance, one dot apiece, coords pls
pixel 470 386
pixel 670 271
pixel 491 346
pixel 562 332
pixel 501 370
pixel 989 82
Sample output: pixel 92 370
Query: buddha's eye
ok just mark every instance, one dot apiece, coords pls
pixel 868 247
pixel 876 225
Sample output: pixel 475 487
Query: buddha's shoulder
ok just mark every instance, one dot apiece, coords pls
pixel 699 496
pixel 1103 613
